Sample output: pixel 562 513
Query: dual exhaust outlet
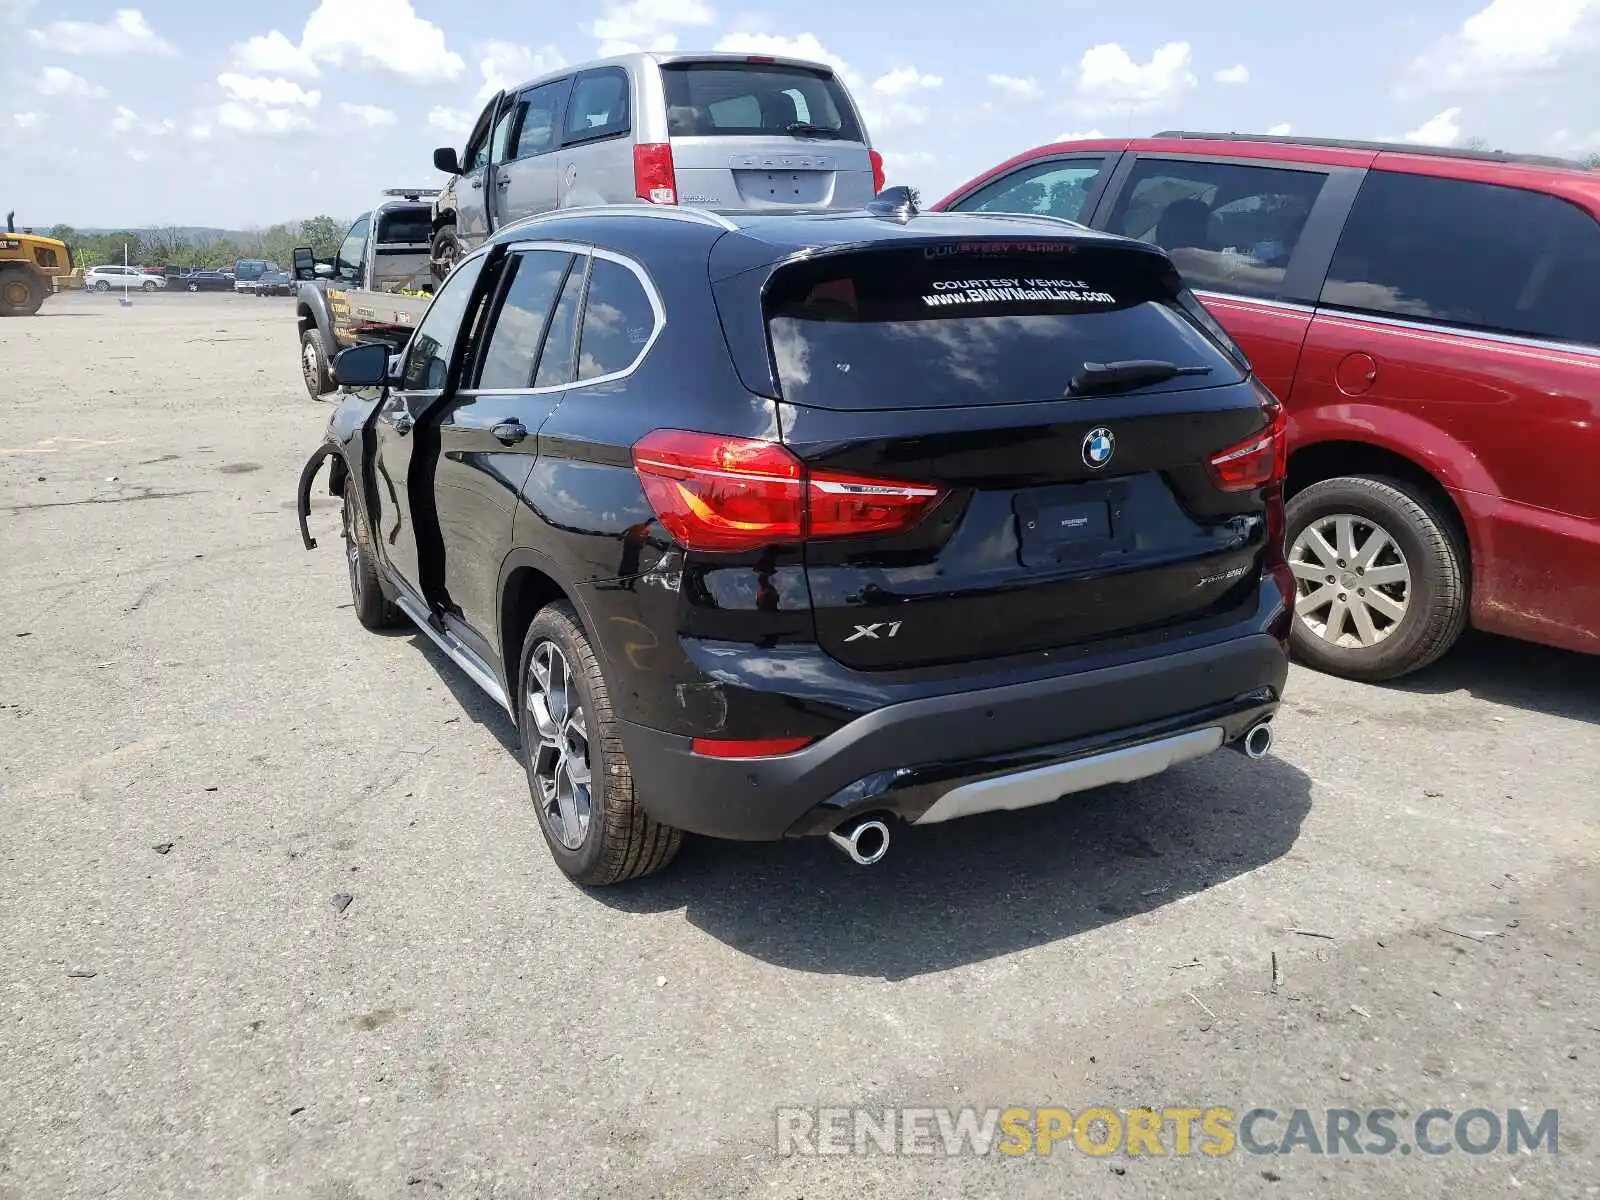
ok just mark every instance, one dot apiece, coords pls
pixel 866 839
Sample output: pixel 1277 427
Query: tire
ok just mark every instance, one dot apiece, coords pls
pixel 314 369
pixel 194 287
pixel 600 834
pixel 373 610
pixel 1414 616
pixel 446 252
pixel 102 286
pixel 21 293
pixel 148 287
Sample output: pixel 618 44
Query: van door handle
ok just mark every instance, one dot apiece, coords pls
pixel 503 181
pixel 478 183
pixel 510 432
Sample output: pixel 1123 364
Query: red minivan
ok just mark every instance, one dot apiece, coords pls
pixel 1431 320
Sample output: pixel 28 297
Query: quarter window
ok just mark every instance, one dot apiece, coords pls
pixel 1056 189
pixel 427 364
pixel 598 107
pixel 618 320
pixel 555 360
pixel 513 348
pixel 1473 254
pixel 1228 227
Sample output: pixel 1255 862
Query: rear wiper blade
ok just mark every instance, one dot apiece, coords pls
pixel 806 129
pixel 1133 372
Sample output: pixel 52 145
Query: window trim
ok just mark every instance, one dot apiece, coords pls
pixel 1091 197
pixel 1313 253
pixel 502 289
pixel 458 349
pixel 602 132
pixel 587 253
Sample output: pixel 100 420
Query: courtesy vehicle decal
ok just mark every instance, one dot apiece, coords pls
pixel 990 291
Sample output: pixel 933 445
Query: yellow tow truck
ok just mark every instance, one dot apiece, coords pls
pixel 30 268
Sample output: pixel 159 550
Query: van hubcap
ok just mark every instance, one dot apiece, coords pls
pixel 308 366
pixel 1352 583
pixel 561 759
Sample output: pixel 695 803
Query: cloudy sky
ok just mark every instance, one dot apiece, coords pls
pixel 192 112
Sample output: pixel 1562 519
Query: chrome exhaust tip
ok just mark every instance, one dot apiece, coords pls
pixel 1257 743
pixel 865 841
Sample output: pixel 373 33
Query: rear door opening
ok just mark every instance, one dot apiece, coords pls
pixel 1065 453
pixel 764 134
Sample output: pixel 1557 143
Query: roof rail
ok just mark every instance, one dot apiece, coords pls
pixel 1504 156
pixel 669 212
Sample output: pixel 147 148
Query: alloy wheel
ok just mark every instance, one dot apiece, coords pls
pixel 1353 584
pixel 310 363
pixel 560 761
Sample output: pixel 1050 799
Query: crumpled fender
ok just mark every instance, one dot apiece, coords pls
pixel 308 475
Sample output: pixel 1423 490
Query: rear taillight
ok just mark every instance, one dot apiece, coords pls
pixel 1261 460
pixel 878 177
pixel 654 178
pixel 729 494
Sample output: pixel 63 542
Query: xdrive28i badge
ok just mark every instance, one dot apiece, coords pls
pixel 1098 447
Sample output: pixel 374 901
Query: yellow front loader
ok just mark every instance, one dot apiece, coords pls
pixel 30 267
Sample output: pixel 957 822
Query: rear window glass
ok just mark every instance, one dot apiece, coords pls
pixel 405 225
pixel 722 99
pixel 927 328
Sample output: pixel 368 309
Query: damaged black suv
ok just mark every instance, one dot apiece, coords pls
pixel 802 523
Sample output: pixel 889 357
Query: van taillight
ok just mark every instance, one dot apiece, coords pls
pixel 729 494
pixel 654 178
pixel 878 177
pixel 1261 460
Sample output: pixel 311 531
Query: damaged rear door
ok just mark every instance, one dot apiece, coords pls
pixel 401 441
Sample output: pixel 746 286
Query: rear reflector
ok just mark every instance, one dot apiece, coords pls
pixel 748 747
pixel 878 177
pixel 654 178
pixel 1260 460
pixel 731 494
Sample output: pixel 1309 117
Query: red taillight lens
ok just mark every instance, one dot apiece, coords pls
pixel 654 178
pixel 748 747
pixel 878 177
pixel 721 493
pixel 1260 460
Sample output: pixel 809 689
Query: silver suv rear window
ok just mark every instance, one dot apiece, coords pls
pixel 732 99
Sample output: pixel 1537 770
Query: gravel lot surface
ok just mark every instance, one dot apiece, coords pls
pixel 200 750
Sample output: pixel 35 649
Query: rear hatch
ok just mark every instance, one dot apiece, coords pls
pixel 1016 512
pixel 763 134
pixel 401 249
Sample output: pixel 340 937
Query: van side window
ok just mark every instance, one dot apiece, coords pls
pixel 540 108
pixel 618 320
pixel 1228 227
pixel 1057 188
pixel 598 107
pixel 1473 254
pixel 513 346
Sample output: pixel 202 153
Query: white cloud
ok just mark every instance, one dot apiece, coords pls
pixel 506 64
pixel 385 34
pixel 272 54
pixel 369 115
pixel 25 120
pixel 127 32
pixel 450 120
pixel 1080 136
pixel 903 80
pixel 1282 129
pixel 1504 39
pixel 647 24
pixel 124 119
pixel 1110 80
pixel 253 119
pixel 58 81
pixel 1234 74
pixel 1441 130
pixel 1023 87
pixel 268 93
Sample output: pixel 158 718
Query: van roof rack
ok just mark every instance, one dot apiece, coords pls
pixel 1539 160
pixel 411 193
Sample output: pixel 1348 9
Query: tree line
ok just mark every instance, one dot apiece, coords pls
pixel 171 246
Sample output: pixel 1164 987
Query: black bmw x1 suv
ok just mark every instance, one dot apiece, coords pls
pixel 802 523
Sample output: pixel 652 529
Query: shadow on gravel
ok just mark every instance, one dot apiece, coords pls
pixel 981 887
pixel 469 695
pixel 1558 683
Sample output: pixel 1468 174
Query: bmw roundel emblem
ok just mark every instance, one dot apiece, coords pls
pixel 1098 447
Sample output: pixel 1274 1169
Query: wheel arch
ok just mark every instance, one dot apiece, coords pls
pixel 529 581
pixel 1319 461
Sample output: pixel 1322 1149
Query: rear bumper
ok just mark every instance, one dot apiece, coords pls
pixel 911 758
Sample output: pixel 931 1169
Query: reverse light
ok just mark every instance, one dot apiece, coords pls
pixel 654 177
pixel 732 494
pixel 878 177
pixel 1261 460
pixel 747 747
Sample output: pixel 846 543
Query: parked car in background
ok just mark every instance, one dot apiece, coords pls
pixel 275 282
pixel 247 270
pixel 202 280
pixel 721 131
pixel 132 279
pixel 1431 319
pixel 1000 520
